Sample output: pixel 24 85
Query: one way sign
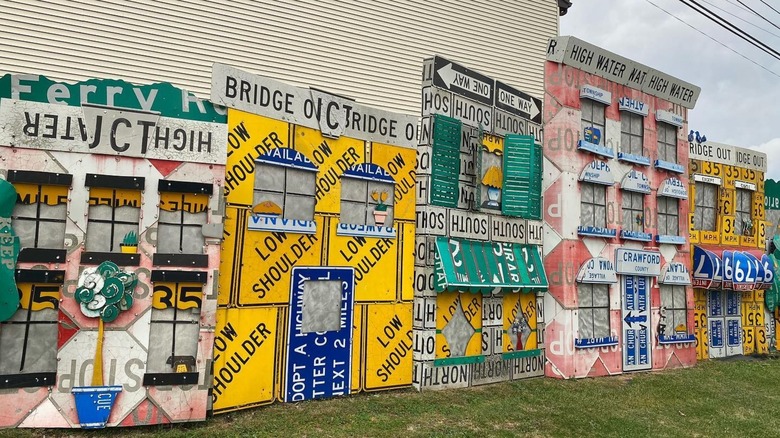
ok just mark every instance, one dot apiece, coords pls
pixel 516 102
pixel 463 81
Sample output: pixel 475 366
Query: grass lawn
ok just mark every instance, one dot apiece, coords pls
pixel 737 397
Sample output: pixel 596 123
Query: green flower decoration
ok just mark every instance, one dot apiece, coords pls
pixel 105 291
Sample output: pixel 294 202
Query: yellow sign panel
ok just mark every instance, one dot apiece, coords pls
pixel 711 169
pixel 700 323
pixel 406 262
pixel 493 143
pixel 182 296
pixel 230 259
pixel 759 209
pixel 695 167
pixel 267 259
pixel 748 340
pixel 244 358
pixel 702 344
pixel 748 240
pixel 249 137
pixel 748 175
pixel 332 157
pixel 726 203
pixel 693 233
pixel 34 193
pixel 189 202
pixel 465 338
pixel 374 260
pixel 37 296
pixel 709 237
pixel 728 236
pixel 762 227
pixel 730 174
pixel 400 164
pixel 114 197
pixel 760 182
pixel 358 348
pixel 389 341
pixel 520 322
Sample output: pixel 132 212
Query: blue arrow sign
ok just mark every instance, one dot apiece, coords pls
pixel 631 319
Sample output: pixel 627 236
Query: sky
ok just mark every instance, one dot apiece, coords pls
pixel 739 102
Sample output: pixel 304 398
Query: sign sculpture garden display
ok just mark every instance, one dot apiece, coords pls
pixel 103 292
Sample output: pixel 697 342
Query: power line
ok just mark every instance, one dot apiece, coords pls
pixel 717 19
pixel 741 19
pixel 770 6
pixel 712 38
pixel 757 14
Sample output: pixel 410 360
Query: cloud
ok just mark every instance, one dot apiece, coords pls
pixel 738 104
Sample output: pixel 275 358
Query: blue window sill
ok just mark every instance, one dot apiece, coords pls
pixel 671 240
pixel 365 231
pixel 636 235
pixel 596 232
pixel 636 159
pixel 677 339
pixel 593 148
pixel 262 222
pixel 667 165
pixel 596 342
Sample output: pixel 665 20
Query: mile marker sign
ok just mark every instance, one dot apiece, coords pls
pixel 516 102
pixel 463 81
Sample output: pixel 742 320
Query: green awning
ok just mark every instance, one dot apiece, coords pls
pixel 482 267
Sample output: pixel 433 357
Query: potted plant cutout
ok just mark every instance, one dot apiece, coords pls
pixel 103 292
pixel 129 243
pixel 380 211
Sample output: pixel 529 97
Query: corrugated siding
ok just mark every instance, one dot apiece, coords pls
pixel 368 50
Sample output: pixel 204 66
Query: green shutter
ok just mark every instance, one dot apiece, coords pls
pixel 445 166
pixel 521 194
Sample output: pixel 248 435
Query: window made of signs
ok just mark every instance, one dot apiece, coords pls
pixel 113 219
pixel 593 312
pixel 289 189
pixel 180 227
pixel 592 115
pixel 743 223
pixel 40 214
pixel 593 208
pixel 705 206
pixel 667 142
pixel 362 200
pixel 28 339
pixel 668 216
pixel 631 133
pixel 633 211
pixel 673 310
pixel 175 326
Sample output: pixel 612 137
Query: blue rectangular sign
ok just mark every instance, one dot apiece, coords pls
pixel 716 333
pixel 319 363
pixel 636 323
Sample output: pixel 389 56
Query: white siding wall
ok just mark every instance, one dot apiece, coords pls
pixel 368 50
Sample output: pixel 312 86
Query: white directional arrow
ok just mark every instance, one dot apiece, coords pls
pixel 528 106
pixel 454 78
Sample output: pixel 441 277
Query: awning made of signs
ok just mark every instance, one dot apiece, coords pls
pixel 483 267
pixel 734 270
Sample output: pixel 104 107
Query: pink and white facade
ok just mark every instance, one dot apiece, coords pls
pixel 616 212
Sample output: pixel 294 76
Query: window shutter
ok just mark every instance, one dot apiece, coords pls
pixel 445 166
pixel 522 185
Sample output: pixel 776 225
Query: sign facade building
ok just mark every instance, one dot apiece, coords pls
pixel 616 215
